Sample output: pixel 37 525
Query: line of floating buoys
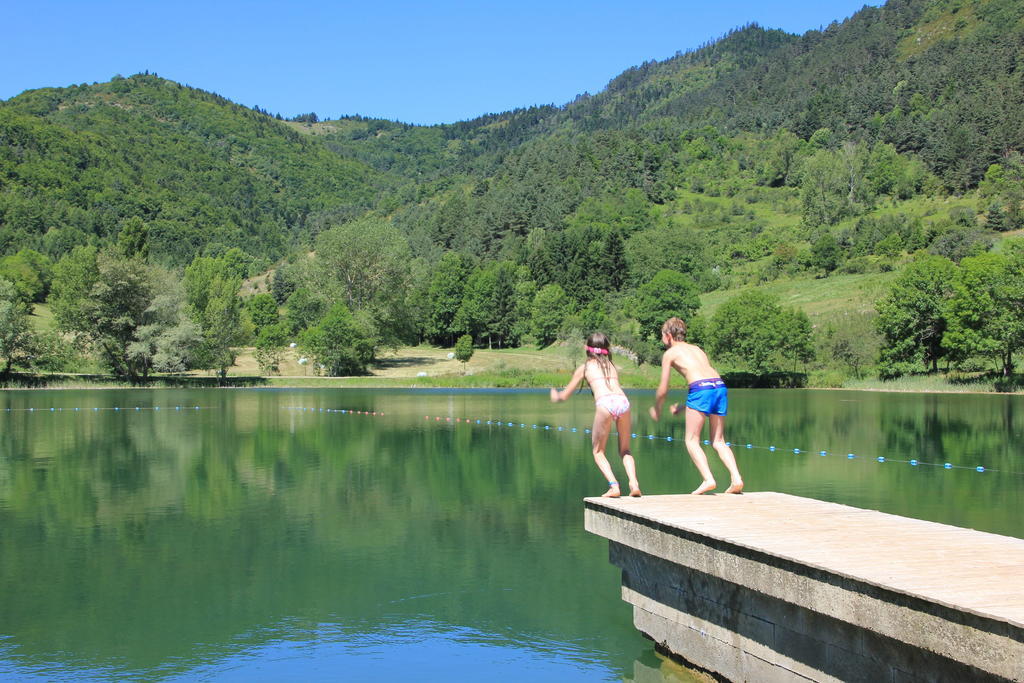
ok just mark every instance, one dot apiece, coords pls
pixel 97 409
pixel 504 423
pixel 343 411
pixel 707 442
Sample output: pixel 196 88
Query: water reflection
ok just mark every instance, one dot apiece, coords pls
pixel 250 538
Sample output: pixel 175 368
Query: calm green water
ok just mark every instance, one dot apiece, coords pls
pixel 259 538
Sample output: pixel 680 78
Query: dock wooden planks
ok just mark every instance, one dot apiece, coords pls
pixel 969 570
pixel 954 592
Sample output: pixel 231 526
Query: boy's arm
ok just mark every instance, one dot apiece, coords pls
pixel 662 392
pixel 577 377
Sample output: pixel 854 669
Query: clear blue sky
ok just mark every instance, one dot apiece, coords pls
pixel 430 61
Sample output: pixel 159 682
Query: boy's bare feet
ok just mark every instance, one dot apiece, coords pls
pixel 634 490
pixel 735 487
pixel 705 487
pixel 612 492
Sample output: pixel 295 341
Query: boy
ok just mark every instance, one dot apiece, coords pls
pixel 707 398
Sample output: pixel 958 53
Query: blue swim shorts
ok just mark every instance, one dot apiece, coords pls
pixel 708 396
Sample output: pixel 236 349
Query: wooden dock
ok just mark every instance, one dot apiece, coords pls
pixel 789 588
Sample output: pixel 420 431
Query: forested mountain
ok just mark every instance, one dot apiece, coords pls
pixel 939 82
pixel 940 78
pixel 200 171
pixel 759 157
pixel 937 79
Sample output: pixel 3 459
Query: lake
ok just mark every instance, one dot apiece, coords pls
pixel 262 534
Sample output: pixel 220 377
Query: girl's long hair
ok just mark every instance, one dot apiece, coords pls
pixel 599 340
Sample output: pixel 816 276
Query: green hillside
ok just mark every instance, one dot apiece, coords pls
pixel 798 177
pixel 200 171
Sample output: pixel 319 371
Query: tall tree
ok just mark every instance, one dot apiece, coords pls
pixel 211 287
pixel 102 297
pixel 986 313
pixel 444 297
pixel 167 340
pixel 551 306
pixel 15 333
pixel 752 329
pixel 668 294
pixel 365 264
pixel 477 311
pixel 339 343
pixel 912 318
pixel 262 310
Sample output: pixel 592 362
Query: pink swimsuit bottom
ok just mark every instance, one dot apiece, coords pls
pixel 616 404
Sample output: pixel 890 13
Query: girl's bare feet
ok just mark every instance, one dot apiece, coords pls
pixel 705 487
pixel 674 408
pixel 735 487
pixel 612 492
pixel 634 489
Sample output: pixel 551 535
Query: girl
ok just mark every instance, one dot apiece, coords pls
pixel 611 404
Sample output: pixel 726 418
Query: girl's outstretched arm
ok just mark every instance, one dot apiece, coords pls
pixel 577 377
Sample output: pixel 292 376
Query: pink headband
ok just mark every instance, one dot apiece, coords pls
pixel 596 350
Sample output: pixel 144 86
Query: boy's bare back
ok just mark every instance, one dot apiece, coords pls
pixel 690 361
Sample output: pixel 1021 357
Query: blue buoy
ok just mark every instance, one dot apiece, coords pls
pixel 706 442
pixel 561 428
pixel 573 429
pixel 650 437
pixel 547 426
pixel 633 435
pixel 948 466
pixel 586 431
pixel 980 468
pixel 822 452
pixel 52 410
pixel 881 458
pixel 771 448
pixel 850 456
pixel 534 426
pixel 668 438
pixel 796 450
pixel 913 463
pixel 750 445
pixel 510 424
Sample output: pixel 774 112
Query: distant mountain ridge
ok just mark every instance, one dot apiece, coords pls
pixel 939 79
